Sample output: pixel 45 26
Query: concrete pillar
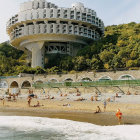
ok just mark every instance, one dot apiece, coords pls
pixel 38 55
pixel 38 52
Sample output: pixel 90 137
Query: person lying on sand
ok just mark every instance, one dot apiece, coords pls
pixel 136 93
pixel 80 99
pixel 48 97
pixel 78 94
pixel 66 104
pixel 98 110
pixel 38 104
pixel 117 95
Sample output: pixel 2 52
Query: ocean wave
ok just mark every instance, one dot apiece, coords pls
pixel 47 128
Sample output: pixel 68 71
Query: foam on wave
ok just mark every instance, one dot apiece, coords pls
pixel 70 129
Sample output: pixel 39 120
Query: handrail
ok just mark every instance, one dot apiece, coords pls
pixel 105 83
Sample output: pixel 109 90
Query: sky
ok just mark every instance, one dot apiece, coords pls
pixel 112 12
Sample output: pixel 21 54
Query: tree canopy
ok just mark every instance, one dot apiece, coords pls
pixel 119 48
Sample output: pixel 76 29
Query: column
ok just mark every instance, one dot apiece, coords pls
pixel 38 51
pixel 38 55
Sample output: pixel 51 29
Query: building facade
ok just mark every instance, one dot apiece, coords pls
pixel 43 28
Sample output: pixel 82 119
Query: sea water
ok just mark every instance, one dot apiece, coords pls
pixel 37 128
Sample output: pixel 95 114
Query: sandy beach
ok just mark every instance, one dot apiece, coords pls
pixel 65 107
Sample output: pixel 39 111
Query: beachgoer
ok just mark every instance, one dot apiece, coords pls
pixel 52 97
pixel 3 101
pixel 108 99
pixel 92 99
pixel 128 93
pixel 119 116
pixel 14 97
pixel 29 101
pixel 7 91
pixel 43 90
pixel 96 98
pixel 98 110
pixel 117 95
pixel 80 99
pixel 78 94
pixel 105 103
pixel 96 95
pixel 32 96
pixel 65 95
pixel 66 104
pixel 38 104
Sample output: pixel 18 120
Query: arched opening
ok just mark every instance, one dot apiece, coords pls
pixel 26 84
pixel 68 80
pixel 3 84
pixel 86 79
pixel 14 84
pixel 105 78
pixel 39 82
pixel 53 81
pixel 126 77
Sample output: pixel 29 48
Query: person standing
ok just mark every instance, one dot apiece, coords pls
pixel 119 116
pixel 105 103
pixel 3 101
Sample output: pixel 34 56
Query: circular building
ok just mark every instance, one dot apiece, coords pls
pixel 43 28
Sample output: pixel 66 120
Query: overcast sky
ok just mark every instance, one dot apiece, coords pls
pixel 110 11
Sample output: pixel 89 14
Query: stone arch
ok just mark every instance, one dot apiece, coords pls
pixel 3 84
pixel 14 84
pixel 126 77
pixel 53 81
pixel 104 78
pixel 39 82
pixel 26 84
pixel 86 79
pixel 68 80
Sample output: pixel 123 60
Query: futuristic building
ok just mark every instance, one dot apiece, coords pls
pixel 43 28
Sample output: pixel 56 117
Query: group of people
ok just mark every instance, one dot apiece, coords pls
pixel 118 113
pixel 30 97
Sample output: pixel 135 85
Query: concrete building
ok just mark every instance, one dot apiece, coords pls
pixel 43 28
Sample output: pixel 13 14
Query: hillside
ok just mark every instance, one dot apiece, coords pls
pixel 118 49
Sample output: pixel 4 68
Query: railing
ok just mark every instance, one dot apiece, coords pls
pixel 105 83
pixel 7 77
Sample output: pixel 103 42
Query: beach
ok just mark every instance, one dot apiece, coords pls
pixel 83 111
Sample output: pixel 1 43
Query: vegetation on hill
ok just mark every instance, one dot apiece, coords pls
pixel 118 49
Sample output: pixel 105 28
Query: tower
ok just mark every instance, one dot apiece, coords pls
pixel 42 27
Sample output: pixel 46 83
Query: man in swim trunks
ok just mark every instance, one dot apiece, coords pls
pixel 104 105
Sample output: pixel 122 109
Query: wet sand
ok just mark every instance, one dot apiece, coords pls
pixel 82 111
pixel 104 118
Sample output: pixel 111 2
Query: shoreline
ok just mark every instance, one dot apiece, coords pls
pixel 103 118
pixel 69 108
